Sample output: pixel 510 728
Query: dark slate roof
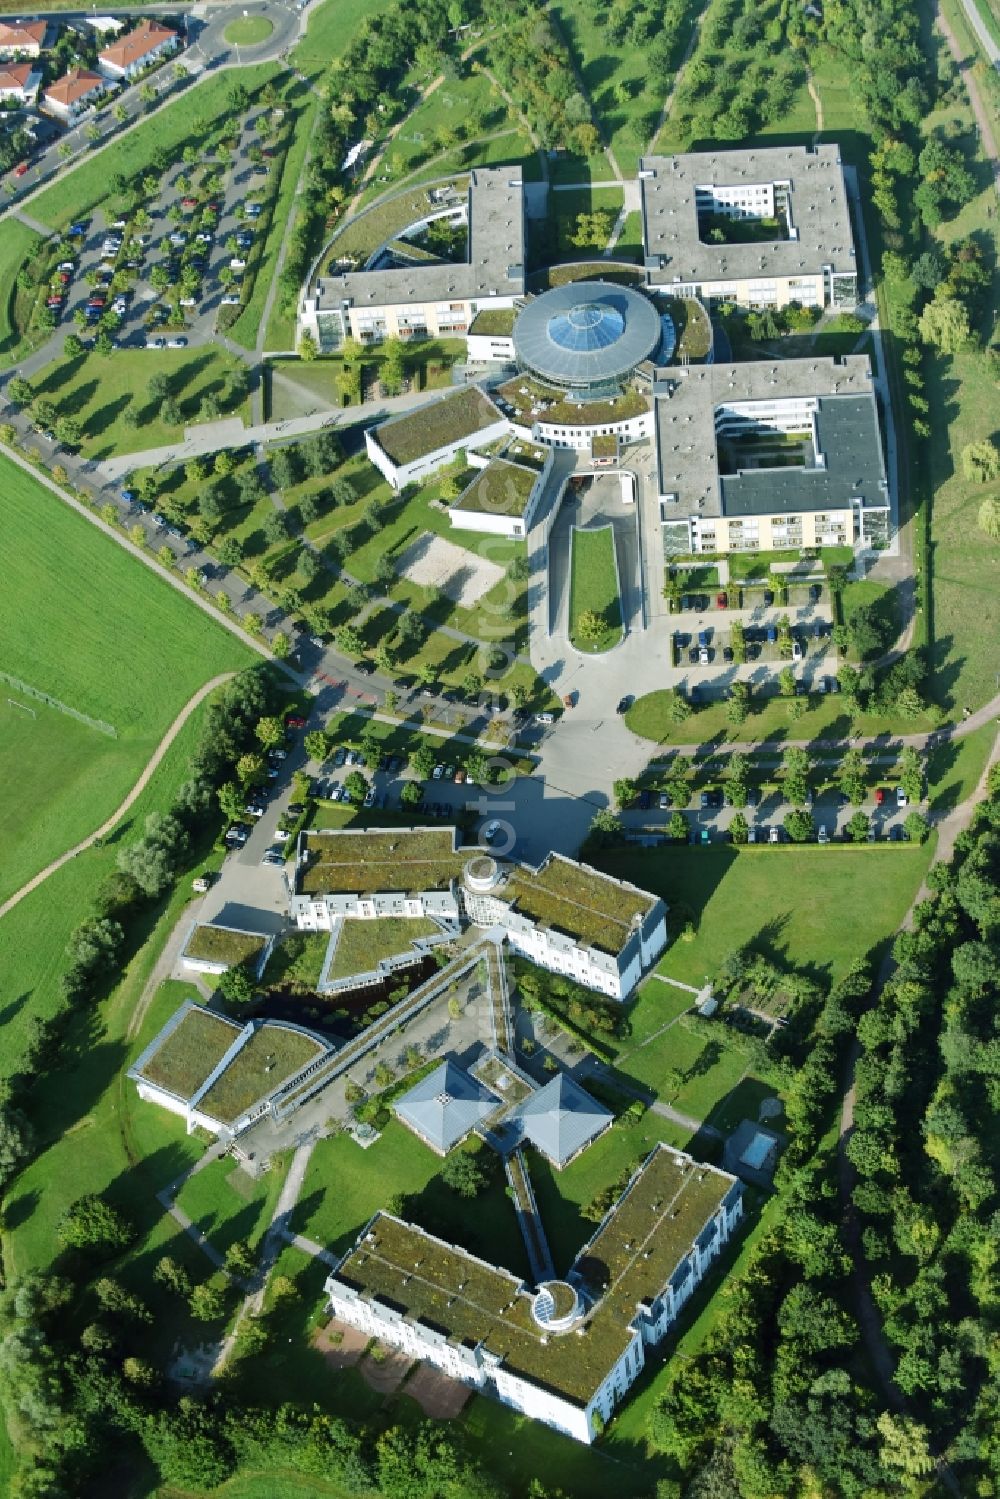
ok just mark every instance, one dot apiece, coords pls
pixel 559 1119
pixel 586 332
pixel 847 436
pixel 445 1105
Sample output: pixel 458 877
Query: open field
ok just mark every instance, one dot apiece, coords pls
pixel 811 908
pixel 330 30
pixel 465 107
pixel 185 121
pixel 83 621
pixel 594 587
pixel 97 391
pixel 16 244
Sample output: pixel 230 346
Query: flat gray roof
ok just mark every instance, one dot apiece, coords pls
pixel 847 439
pixel 687 447
pixel 495 267
pixel 586 333
pixel 674 250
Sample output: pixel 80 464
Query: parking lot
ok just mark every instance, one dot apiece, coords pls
pixel 702 629
pixel 160 274
pixel 829 810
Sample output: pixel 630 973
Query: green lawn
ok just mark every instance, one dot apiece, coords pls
pixel 561 1194
pixel 627 94
pixel 345 1185
pixel 186 121
pixel 84 621
pixel 436 123
pixel 330 31
pixel 812 908
pixel 428 364
pixel 564 211
pixel 594 587
pixel 97 390
pixel 228 1206
pixel 281 326
pixel 248 31
pixel 363 234
pixel 630 246
pixel 769 719
pixel 17 244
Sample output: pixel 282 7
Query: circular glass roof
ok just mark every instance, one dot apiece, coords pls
pixel 586 327
pixel 586 333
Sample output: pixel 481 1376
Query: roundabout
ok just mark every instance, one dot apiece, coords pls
pixel 249 31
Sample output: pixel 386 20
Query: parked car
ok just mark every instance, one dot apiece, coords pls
pixel 772 634
pixel 879 795
pixel 774 836
pixel 796 650
pixel 645 800
pixel 727 653
pixel 437 772
pixel 768 598
pixel 664 801
pixel 490 831
pixel 364 668
pixel 822 833
pixel 295 721
pixel 625 703
pixel 815 592
pixel 370 797
pixel 340 755
pixel 703 656
pixel 706 836
pixel 902 800
pixel 721 601
pixel 176 343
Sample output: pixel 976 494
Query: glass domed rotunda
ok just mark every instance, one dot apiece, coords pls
pixel 587 336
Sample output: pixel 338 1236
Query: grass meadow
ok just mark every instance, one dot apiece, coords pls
pixel 594 587
pixel 813 908
pixel 97 391
pixel 16 244
pixel 82 620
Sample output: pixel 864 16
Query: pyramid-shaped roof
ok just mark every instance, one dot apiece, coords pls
pixel 560 1119
pixel 445 1105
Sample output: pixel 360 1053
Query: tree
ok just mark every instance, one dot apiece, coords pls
pixel 736 782
pixel 944 323
pixel 411 793
pixel 677 707
pixel 625 789
pixel 16 1139
pixel 317 745
pixel 590 626
pixel 916 827
pixel 799 826
pixel 905 1445
pixel 786 682
pixel 20 391
pixel 857 828
pixel 677 828
pixel 270 732
pixel 356 787
pixel 208 1300
pixel 308 349
pixel 738 828
pixel 605 826
pixel 90 1223
pixel 739 703
pixel 989 517
pixel 795 765
pixel 173 1276
pixel 422 762
pixel 981 461
pixel 72 346
pixel 349 640
pixel 463 1174
pixel 851 776
pixel 236 986
pixel 911 774
pixel 281 646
